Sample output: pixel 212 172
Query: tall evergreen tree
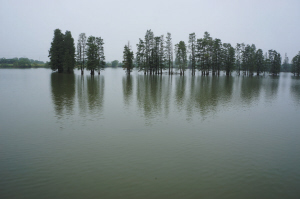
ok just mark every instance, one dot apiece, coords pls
pixel 296 65
pixel 56 52
pixel 228 58
pixel 259 61
pixel 95 54
pixel 181 56
pixel 100 48
pixel 69 52
pixel 192 51
pixel 217 56
pixel 169 53
pixel 155 55
pixel 127 59
pixel 238 57
pixel 149 43
pixel 275 62
pixel 81 47
pixel 162 54
pixel 140 55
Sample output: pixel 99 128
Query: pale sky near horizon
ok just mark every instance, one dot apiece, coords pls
pixel 27 26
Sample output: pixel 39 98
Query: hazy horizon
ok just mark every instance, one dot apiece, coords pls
pixel 27 26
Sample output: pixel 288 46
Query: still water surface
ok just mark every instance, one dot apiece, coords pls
pixel 119 136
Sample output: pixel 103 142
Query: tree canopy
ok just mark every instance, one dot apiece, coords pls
pixel 62 52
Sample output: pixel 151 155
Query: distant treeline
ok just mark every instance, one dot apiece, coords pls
pixel 22 63
pixel 156 54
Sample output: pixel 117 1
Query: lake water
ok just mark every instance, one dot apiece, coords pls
pixel 137 136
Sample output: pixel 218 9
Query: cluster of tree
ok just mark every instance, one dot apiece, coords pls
pixel 93 49
pixel 206 54
pixel 62 52
pixel 22 63
pixel 89 55
pixel 154 54
pixel 296 65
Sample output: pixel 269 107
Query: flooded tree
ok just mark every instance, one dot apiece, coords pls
pixel 127 59
pixel 140 56
pixel 69 52
pixel 259 61
pixel 62 52
pixel 275 62
pixel 238 57
pixel 149 43
pixel 217 52
pixel 228 58
pixel 95 54
pixel 192 51
pixel 296 65
pixel 169 53
pixel 56 52
pixel 81 46
pixel 181 57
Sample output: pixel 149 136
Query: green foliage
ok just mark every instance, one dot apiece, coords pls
pixel 275 62
pixel 238 57
pixel 127 59
pixel 62 52
pixel 259 61
pixel 140 55
pixel 228 58
pixel 56 52
pixel 296 65
pixel 80 57
pixel 69 55
pixel 22 63
pixel 95 54
pixel 181 56
pixel 169 53
pixel 192 51
pixel 217 56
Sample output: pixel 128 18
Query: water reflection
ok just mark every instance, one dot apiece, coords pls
pixel 180 82
pixel 63 92
pixel 208 92
pixel 82 94
pixel 153 94
pixel 127 89
pixel 271 87
pixel 250 89
pixel 90 93
pixel 202 95
pixel 95 90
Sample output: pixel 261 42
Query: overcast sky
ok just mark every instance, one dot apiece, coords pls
pixel 27 26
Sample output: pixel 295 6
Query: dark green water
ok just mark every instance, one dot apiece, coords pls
pixel 118 136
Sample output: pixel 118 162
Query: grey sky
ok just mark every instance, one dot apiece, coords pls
pixel 27 25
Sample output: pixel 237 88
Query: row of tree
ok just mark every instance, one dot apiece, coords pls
pixel 206 54
pixel 155 54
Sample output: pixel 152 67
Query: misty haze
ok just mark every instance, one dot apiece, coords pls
pixel 159 99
